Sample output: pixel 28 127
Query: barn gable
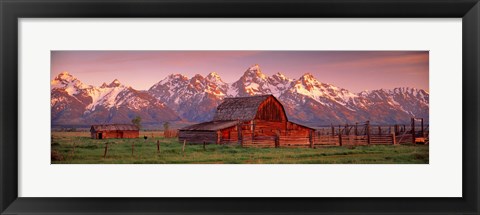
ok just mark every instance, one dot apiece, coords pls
pixel 265 107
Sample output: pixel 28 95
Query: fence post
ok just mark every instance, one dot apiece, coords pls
pixel 310 138
pixel 204 148
pixel 183 147
pixel 379 130
pixel 106 149
pixel 413 131
pixel 394 140
pixel 356 129
pixel 253 131
pixel 368 132
pixel 277 141
pixel 340 139
pixel 158 146
pixel 239 130
pixel 333 131
pixel 73 149
pixel 423 135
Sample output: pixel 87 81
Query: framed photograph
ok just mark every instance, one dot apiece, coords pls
pixel 225 107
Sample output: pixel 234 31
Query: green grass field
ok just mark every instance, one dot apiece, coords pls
pixel 90 151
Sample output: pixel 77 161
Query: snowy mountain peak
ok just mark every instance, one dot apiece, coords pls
pixel 197 83
pixel 307 77
pixel 364 93
pixel 172 79
pixel 115 83
pixel 67 82
pixel 408 90
pixel 65 76
pixel 255 67
pixel 308 81
pixel 213 76
pixel 280 76
pixel 177 76
pixel 197 77
pixel 255 71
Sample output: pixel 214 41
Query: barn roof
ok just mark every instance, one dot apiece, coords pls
pixel 114 127
pixel 296 123
pixel 239 108
pixel 210 126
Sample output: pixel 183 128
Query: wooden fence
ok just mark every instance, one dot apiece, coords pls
pixel 337 140
pixel 278 141
pixel 367 134
pixel 306 142
pixel 346 135
pixel 263 142
pixel 333 135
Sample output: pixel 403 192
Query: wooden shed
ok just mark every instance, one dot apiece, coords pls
pixel 245 120
pixel 107 131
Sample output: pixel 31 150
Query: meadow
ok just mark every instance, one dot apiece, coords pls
pixel 79 148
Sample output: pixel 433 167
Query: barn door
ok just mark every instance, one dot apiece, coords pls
pixel 100 136
pixel 225 135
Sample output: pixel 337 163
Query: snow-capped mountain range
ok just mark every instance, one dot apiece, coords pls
pixel 75 103
pixel 195 99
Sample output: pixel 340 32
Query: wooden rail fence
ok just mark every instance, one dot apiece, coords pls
pixel 333 135
pixel 346 135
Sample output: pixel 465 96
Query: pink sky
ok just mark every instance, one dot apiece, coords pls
pixel 352 70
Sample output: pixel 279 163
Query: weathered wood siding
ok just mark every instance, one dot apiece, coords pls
pixel 269 128
pixel 294 129
pixel 114 134
pixel 262 133
pixel 198 137
pixel 271 110
pixel 228 135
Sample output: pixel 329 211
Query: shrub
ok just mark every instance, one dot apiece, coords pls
pixel 56 156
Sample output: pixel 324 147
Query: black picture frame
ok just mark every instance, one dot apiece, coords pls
pixel 12 10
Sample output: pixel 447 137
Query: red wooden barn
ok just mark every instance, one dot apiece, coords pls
pixel 246 120
pixel 107 131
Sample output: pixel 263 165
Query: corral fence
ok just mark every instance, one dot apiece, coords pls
pixel 278 141
pixel 355 134
pixel 367 134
